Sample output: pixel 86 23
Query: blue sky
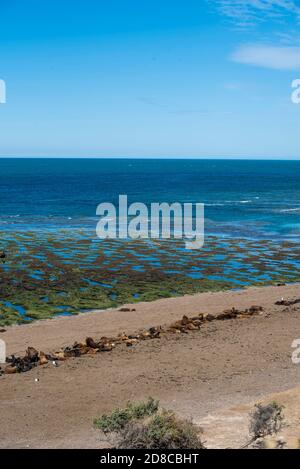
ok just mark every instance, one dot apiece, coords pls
pixel 205 78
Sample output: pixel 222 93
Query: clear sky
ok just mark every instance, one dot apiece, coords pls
pixel 150 78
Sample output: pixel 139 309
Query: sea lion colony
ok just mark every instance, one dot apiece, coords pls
pixel 91 346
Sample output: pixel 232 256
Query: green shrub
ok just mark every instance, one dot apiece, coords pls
pixel 120 417
pixel 143 425
pixel 161 431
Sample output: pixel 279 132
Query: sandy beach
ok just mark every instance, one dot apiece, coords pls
pixel 199 374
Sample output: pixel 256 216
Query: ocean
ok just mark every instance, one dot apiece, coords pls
pixel 249 199
pixel 56 265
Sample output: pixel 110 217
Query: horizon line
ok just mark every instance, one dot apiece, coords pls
pixel 221 158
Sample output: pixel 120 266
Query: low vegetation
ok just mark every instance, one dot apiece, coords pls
pixel 266 420
pixel 144 425
pixel 120 417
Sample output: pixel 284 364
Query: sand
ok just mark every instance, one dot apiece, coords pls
pixel 200 375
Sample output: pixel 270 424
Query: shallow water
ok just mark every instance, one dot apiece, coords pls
pixel 56 265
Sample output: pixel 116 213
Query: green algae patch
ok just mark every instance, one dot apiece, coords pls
pixel 48 275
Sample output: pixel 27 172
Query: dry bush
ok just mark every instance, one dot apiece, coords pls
pixel 266 420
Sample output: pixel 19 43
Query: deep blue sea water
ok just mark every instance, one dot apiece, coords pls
pixel 259 199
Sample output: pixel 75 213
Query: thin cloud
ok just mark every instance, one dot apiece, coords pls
pixel 250 12
pixel 276 58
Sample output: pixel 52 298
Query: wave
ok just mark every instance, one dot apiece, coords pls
pixel 215 205
pixel 228 202
pixel 239 201
pixel 287 210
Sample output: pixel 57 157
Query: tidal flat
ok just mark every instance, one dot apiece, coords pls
pixel 48 274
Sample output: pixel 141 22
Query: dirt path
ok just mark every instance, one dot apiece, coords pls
pixel 224 364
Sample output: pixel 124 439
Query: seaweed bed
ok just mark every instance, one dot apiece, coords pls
pixel 68 272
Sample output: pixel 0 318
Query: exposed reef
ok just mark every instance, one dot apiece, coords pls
pixel 64 273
